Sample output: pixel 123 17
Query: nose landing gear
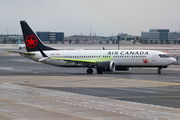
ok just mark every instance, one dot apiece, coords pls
pixel 159 70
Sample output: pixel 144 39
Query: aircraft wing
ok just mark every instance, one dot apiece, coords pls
pixel 25 53
pixel 75 60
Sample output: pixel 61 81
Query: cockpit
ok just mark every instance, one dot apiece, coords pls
pixel 164 56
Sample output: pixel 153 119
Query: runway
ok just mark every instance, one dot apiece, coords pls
pixel 31 90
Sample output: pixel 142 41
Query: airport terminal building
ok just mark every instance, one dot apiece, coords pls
pixel 51 36
pixel 159 35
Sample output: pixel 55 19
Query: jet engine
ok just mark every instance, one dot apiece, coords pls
pixel 105 66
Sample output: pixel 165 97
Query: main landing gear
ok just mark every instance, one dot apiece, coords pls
pixel 89 71
pixel 159 70
pixel 99 71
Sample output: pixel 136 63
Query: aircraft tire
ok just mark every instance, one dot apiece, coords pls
pixel 158 72
pixel 89 71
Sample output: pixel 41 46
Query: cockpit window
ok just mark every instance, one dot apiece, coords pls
pixel 163 56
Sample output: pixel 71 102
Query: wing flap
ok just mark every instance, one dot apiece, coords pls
pixel 75 60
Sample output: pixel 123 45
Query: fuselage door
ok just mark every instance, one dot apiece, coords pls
pixel 154 57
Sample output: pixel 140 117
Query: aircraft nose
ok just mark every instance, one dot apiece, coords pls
pixel 173 60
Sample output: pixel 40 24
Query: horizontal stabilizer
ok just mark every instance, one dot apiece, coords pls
pixel 26 53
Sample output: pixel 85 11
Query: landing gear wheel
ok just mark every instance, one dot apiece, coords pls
pixel 89 71
pixel 99 71
pixel 158 72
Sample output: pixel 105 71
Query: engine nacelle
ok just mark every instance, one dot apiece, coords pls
pixel 105 66
pixel 122 68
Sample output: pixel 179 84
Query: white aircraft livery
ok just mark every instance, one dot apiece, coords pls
pixel 101 60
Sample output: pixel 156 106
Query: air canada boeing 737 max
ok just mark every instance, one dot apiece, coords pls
pixel 101 60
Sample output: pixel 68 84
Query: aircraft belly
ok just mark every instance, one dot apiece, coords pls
pixel 62 63
pixel 159 62
pixel 33 57
pixel 131 62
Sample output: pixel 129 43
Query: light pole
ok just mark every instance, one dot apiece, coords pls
pixel 7 34
pixel 119 37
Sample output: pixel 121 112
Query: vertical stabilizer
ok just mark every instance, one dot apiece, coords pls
pixel 32 41
pixel 19 41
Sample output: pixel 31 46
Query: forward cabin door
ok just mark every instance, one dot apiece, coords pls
pixel 154 57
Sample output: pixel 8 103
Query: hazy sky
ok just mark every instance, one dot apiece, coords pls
pixel 106 17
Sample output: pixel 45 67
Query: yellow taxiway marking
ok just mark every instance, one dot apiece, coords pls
pixel 5 68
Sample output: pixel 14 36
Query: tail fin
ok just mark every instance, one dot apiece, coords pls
pixel 32 41
pixel 19 41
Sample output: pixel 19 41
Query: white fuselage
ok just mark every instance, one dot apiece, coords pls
pixel 124 58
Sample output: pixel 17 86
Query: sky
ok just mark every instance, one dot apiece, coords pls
pixel 76 17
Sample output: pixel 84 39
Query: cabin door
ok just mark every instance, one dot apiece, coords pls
pixel 154 57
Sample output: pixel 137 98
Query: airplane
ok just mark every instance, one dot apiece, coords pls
pixel 101 60
pixel 21 46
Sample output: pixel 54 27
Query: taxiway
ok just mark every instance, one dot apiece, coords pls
pixel 31 90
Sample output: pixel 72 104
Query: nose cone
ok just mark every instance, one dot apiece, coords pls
pixel 172 60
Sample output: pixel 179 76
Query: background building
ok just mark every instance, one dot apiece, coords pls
pixel 159 35
pixel 126 37
pixel 172 36
pixel 51 36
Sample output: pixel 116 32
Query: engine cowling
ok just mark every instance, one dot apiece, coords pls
pixel 105 66
pixel 122 68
